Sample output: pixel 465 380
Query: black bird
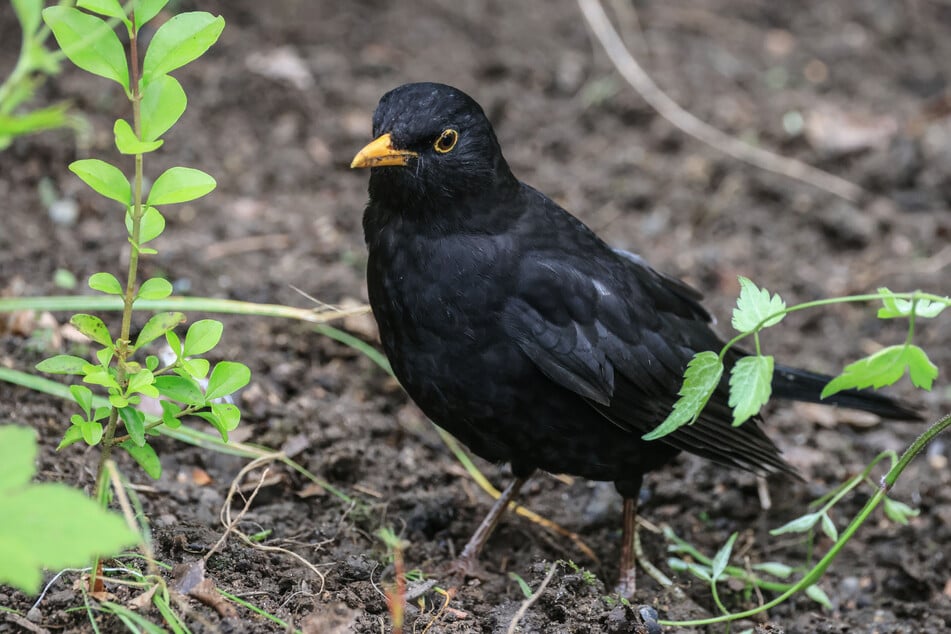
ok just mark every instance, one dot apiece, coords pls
pixel 517 329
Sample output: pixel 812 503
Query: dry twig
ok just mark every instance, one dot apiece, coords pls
pixel 687 123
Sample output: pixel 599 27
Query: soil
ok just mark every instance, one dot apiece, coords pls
pixel 276 111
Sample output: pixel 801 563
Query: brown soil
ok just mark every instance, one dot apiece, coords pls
pixel 279 145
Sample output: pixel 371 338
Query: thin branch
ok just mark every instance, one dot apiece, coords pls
pixel 523 609
pixel 687 123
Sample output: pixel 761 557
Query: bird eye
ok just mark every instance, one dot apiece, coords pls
pixel 446 141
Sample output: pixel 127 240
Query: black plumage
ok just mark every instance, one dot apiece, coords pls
pixel 516 328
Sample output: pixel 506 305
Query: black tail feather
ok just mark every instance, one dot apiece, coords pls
pixel 802 385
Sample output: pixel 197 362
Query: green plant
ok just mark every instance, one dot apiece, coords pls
pixel 47 525
pixel 750 382
pixel 34 64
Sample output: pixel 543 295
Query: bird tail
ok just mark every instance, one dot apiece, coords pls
pixel 802 385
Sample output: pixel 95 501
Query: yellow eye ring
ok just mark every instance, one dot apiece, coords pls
pixel 446 141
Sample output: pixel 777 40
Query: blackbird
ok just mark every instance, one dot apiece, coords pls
pixel 517 329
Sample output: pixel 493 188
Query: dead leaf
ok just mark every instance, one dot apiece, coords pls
pixel 837 132
pixel 201 477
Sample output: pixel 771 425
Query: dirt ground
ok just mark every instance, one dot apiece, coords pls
pixel 276 111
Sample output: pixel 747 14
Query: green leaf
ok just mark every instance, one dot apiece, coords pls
pixel 179 185
pixel 202 336
pixel 92 327
pixel 18 448
pixel 226 378
pixel 105 283
pixel 134 424
pixel 179 388
pixel 163 102
pixel 700 380
pixel 157 326
pixel 28 13
pixel 899 512
pixel 150 227
pixel 128 143
pixel 174 343
pixel 750 386
pixel 722 558
pixel 774 568
pixel 179 41
pixel 816 593
pixel 146 457
pixel 801 524
pixel 104 356
pixel 73 435
pixel 142 382
pixel 92 432
pixel 828 527
pixel 754 305
pixel 89 42
pixel 108 8
pixel 151 362
pixel 197 368
pixel 885 367
pixel 228 414
pixel 896 307
pixel 47 525
pixel 145 10
pixel 104 178
pixel 155 288
pixel 62 364
pixel 170 413
pixel 116 400
pixel 83 397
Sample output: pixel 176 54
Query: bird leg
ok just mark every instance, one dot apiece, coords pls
pixel 627 582
pixel 470 554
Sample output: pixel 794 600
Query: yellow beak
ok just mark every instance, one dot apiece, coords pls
pixel 380 152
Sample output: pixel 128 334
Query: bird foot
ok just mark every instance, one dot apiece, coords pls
pixel 627 585
pixel 461 569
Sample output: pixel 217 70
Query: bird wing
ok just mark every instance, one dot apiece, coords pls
pixel 616 332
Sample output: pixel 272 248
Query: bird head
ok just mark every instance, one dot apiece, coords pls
pixel 432 144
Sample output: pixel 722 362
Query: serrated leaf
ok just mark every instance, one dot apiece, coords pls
pixel 754 305
pixel 179 41
pixel 700 380
pixel 179 185
pixel 722 558
pixel 83 397
pixel 155 288
pixel 151 225
pixel 92 327
pixel 895 307
pixel 145 10
pixel 134 421
pixel 885 367
pixel 816 593
pixel 89 42
pixel 72 436
pixel 62 364
pixel 105 283
pixel 801 524
pixel 898 512
pixel 103 178
pixel 751 383
pixel 179 388
pixel 774 568
pixel 128 143
pixel 202 336
pixel 146 457
pixel 828 527
pixel 226 378
pixel 163 102
pixel 157 326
